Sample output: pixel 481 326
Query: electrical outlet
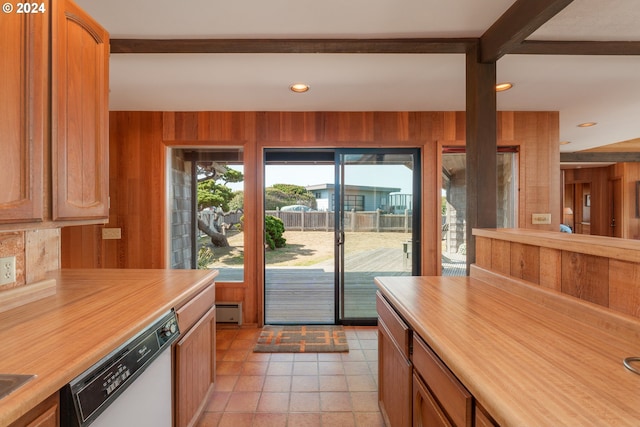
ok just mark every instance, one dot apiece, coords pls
pixel 7 270
pixel 111 233
pixel 541 218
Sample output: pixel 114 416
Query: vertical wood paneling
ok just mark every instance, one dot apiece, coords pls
pixel 624 287
pixel 525 262
pixel 391 126
pixel 501 256
pixel 586 276
pixel 539 132
pixel 138 167
pixel 551 268
pixel 483 252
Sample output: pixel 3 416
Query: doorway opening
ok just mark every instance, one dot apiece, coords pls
pixel 454 203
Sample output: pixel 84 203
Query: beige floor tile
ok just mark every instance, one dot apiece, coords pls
pixel 279 383
pixel 210 419
pixel 254 368
pixel 218 401
pixel 270 420
pixel 249 383
pixel 230 419
pixel 294 390
pixel 369 419
pixel 280 368
pixel 305 368
pixel 361 383
pixel 356 368
pixel 300 383
pixel 273 402
pixel 304 402
pixel 338 419
pixel 228 368
pixel 333 383
pixel 225 382
pixel 235 356
pixel 335 401
pixel 331 368
pixel 365 401
pixel 242 401
pixel 304 420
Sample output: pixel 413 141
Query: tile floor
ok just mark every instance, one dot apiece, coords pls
pixel 294 390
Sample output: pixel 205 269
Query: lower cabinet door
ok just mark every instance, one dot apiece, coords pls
pixel 195 369
pixel 394 381
pixel 46 414
pixel 426 411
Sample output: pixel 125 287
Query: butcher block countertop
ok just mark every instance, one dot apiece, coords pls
pixel 530 357
pixel 93 312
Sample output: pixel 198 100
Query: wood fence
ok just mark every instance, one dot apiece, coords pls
pixel 375 221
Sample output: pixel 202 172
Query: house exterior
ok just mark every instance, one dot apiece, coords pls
pixel 356 197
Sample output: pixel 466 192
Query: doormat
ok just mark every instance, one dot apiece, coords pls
pixel 302 339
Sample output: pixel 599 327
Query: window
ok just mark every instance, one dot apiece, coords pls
pixel 353 202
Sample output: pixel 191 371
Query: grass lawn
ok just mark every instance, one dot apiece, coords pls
pixel 306 248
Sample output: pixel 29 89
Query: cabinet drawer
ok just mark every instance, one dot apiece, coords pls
pixel 189 313
pixel 451 394
pixel 399 331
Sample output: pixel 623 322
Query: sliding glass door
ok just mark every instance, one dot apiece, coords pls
pixel 377 225
pixel 349 216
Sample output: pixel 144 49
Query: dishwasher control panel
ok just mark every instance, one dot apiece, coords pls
pixel 89 394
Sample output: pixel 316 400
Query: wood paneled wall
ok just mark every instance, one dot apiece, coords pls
pixel 601 203
pixel 139 141
pixel 592 268
pixel 630 175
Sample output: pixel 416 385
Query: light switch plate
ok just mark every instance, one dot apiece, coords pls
pixel 111 233
pixel 541 218
pixel 7 270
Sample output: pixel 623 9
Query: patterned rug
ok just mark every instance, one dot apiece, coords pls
pixel 302 339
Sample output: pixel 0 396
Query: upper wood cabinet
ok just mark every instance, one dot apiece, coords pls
pixel 24 55
pixel 80 85
pixel 53 117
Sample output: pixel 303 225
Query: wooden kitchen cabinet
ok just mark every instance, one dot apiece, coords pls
pixel 23 114
pixel 426 411
pixel 79 114
pixel 53 118
pixel 451 396
pixel 394 367
pixel 46 414
pixel 195 357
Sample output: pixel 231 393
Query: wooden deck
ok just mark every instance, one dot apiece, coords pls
pixel 305 295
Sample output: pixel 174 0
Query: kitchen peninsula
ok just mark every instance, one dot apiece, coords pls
pixel 494 350
pixel 92 312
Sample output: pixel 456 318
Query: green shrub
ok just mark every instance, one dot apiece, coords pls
pixel 274 229
pixel 205 257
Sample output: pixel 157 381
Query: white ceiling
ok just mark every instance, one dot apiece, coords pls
pixel 604 89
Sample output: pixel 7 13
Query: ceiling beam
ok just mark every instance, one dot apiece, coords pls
pixel 413 45
pixel 600 157
pixel 515 25
pixel 535 47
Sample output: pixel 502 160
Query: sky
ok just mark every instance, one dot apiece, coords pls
pixel 397 176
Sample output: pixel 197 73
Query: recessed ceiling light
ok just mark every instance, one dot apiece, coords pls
pixel 565 142
pixel 299 87
pixel 587 124
pixel 501 87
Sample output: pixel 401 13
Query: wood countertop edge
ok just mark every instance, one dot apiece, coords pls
pixel 602 246
pixel 22 400
pixel 504 410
